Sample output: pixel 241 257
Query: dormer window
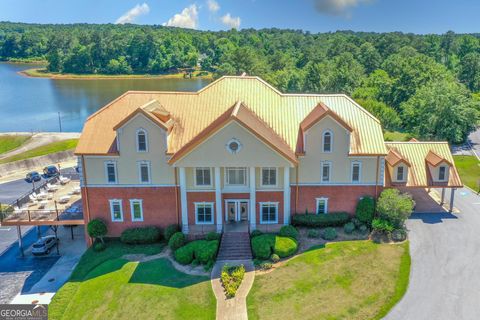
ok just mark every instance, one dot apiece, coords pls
pixel 327 141
pixel 400 173
pixel 442 173
pixel 142 145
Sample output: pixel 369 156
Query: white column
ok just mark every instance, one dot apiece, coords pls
pixel 286 195
pixel 253 201
pixel 452 197
pixel 183 200
pixel 218 199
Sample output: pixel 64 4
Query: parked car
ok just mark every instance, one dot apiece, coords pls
pixel 51 171
pixel 33 176
pixel 43 245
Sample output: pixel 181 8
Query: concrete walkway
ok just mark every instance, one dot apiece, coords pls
pixel 234 308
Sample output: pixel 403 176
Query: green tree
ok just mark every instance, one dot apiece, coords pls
pixel 469 72
pixel 395 207
pixel 387 115
pixel 369 57
pixel 97 229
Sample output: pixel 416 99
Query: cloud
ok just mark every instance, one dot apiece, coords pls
pixel 213 6
pixel 132 14
pixel 188 18
pixel 338 7
pixel 231 22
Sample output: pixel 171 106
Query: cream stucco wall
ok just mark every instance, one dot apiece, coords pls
pixel 435 170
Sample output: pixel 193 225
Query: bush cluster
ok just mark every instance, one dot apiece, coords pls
pixel 349 227
pixel 99 246
pixel 199 251
pixel 285 246
pixel 231 278
pixel 170 231
pixel 288 231
pixel 213 236
pixel 329 233
pixel 274 258
pixel 313 233
pixel 256 233
pixel 176 241
pixel 335 219
pixel 141 235
pixel 365 210
pixel 382 225
pixel 264 245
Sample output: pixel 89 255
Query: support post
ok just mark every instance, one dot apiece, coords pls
pixel 253 201
pixel 443 197
pixel 20 241
pixel 286 195
pixel 218 199
pixel 452 198
pixel 71 231
pixel 183 200
pixel 39 232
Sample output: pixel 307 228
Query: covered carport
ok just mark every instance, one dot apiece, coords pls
pixel 432 200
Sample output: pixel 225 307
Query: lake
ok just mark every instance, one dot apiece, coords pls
pixel 33 104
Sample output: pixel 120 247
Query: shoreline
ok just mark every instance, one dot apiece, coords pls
pixel 36 73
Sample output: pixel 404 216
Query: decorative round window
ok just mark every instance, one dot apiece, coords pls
pixel 234 146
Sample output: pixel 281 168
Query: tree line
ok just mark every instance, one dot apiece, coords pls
pixel 427 85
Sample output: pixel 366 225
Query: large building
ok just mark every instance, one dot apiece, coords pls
pixel 239 152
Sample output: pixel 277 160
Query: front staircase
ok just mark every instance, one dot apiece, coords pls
pixel 235 246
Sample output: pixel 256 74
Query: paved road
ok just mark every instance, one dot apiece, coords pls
pixel 474 139
pixel 445 273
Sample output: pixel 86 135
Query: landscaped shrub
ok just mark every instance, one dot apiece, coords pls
pixel 176 241
pixel 262 246
pixel 274 258
pixel 170 231
pixel 382 225
pixel 197 252
pixel 285 246
pixel 97 229
pixel 399 235
pixel 289 231
pixel 365 210
pixel 213 236
pixel 141 235
pixel 349 227
pixel 206 251
pixel 313 233
pixel 395 207
pixel 356 222
pixel 256 233
pixel 336 219
pixel 363 229
pixel 99 246
pixel 231 278
pixel 184 255
pixel 329 234
pixel 265 265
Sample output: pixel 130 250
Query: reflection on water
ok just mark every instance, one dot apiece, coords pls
pixel 32 104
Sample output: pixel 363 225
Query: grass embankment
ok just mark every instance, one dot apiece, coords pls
pixel 43 73
pixel 396 136
pixel 343 280
pixel 10 142
pixel 469 169
pixel 105 286
pixel 53 147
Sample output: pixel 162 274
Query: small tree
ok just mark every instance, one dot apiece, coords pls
pixel 97 229
pixel 395 207
pixel 365 210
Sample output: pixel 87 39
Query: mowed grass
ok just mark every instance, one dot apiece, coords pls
pixel 53 147
pixel 10 142
pixel 469 170
pixel 105 286
pixel 344 280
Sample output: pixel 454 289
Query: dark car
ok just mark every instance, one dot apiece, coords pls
pixel 50 171
pixel 33 176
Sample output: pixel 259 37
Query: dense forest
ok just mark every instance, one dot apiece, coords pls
pixel 427 85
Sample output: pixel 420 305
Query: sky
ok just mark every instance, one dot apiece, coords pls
pixel 417 16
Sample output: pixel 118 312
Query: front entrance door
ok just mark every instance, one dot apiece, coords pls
pixel 236 210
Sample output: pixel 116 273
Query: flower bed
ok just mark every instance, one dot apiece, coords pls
pixel 231 278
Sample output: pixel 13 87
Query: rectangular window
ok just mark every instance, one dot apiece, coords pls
pixel 322 205
pixel 400 173
pixel 136 209
pixel 442 173
pixel 116 210
pixel 111 172
pixel 203 177
pixel 356 168
pixel 204 213
pixel 269 176
pixel 326 168
pixel 269 212
pixel 141 141
pixel 236 176
pixel 144 171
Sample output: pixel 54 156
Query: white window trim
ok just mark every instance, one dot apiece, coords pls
pixel 445 176
pixel 132 201
pixel 112 201
pixel 146 139
pixel 212 204
pixel 359 171
pixel 331 141
pixel 405 173
pixel 195 177
pixel 276 177
pixel 275 204
pixel 326 164
pixel 235 185
pixel 139 171
pixel 106 171
pixel 326 205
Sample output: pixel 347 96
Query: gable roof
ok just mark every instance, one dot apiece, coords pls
pixel 192 112
pixel 434 159
pixel 153 114
pixel 393 158
pixel 419 154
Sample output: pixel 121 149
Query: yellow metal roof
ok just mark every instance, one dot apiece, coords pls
pixel 192 112
pixel 417 154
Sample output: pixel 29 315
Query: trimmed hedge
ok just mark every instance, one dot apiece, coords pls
pixel 285 246
pixel 141 235
pixel 176 241
pixel 334 219
pixel 365 210
pixel 213 236
pixel 184 255
pixel 289 231
pixel 255 233
pixel 329 233
pixel 203 251
pixel 349 227
pixel 170 231
pixel 264 245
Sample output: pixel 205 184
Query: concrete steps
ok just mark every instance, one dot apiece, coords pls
pixel 235 246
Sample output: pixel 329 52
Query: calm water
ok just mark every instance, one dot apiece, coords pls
pixel 32 104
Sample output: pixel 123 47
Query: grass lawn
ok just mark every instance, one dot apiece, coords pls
pixel 396 136
pixel 53 147
pixel 344 280
pixel 8 142
pixel 105 286
pixel 469 169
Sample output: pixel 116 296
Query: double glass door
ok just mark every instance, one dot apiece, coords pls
pixel 236 210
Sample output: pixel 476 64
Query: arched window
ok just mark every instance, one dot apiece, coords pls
pixel 142 145
pixel 327 140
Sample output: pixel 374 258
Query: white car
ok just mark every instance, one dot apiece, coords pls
pixel 43 245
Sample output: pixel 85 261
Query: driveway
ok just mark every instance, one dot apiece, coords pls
pixel 445 272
